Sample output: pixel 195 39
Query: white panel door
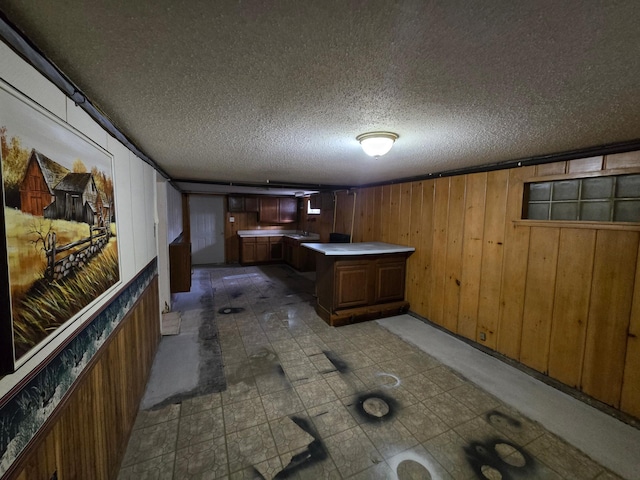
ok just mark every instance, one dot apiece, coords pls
pixel 206 215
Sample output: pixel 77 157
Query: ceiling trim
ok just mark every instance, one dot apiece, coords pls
pixel 271 184
pixel 22 46
pixel 523 162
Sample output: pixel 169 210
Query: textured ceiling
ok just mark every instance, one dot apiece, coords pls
pixel 250 91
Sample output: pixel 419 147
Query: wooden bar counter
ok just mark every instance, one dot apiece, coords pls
pixel 359 281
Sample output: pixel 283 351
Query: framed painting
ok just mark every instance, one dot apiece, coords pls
pixel 58 239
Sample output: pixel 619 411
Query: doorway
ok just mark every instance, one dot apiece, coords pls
pixel 206 216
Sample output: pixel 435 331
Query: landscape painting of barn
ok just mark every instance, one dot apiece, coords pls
pixel 58 229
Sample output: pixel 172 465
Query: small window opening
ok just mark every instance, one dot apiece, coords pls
pixel 312 211
pixel 594 199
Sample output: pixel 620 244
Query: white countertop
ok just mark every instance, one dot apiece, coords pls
pixel 279 233
pixel 364 248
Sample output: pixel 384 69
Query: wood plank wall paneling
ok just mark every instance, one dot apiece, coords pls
pixel 538 297
pixel 404 214
pixel 377 215
pixel 453 249
pixel 622 160
pixel 344 212
pixel 514 272
pixel 472 255
pixel 368 231
pixel 416 260
pixel 87 436
pixel 439 251
pixel 361 212
pixel 609 314
pixel 492 256
pixel 630 401
pixel 419 297
pixel 571 305
pixel 560 299
pixel 385 211
pixel 584 165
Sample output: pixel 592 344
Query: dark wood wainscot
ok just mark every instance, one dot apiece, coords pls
pixel 352 289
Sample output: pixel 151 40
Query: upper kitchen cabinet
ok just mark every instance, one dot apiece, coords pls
pixel 237 204
pixel 278 210
pixel 251 204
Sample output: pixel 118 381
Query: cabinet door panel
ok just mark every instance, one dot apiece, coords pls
pixel 248 250
pixel 262 252
pixel 390 281
pixel 352 284
pixel 275 248
pixel 235 204
pixel 288 209
pixel 268 210
pixel 251 204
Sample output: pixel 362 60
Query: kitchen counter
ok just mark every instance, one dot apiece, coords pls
pixel 295 234
pixel 359 281
pixel 271 246
pixel 356 249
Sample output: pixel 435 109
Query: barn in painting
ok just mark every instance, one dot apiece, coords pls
pixel 50 190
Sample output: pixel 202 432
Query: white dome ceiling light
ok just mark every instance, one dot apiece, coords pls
pixel 376 144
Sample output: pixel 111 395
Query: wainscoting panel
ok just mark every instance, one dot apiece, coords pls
pixel 87 433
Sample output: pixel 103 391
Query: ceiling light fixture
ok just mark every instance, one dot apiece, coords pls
pixel 376 144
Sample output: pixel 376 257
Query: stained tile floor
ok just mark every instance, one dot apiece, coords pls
pixel 307 401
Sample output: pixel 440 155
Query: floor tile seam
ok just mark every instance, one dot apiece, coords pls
pixel 498 433
pixel 279 455
pixel 123 466
pixel 435 454
pixel 558 473
pixel 578 451
pixel 154 424
pixel 372 444
pixel 509 439
pixel 226 440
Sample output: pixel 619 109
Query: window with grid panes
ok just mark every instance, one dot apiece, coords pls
pixel 594 199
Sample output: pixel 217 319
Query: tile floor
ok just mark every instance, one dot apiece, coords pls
pixel 308 401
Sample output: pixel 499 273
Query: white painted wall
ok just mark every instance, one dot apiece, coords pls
pixel 169 227
pixel 134 182
pixel 174 213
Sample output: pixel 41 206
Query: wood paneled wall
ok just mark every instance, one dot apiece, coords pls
pixel 87 436
pixel 560 297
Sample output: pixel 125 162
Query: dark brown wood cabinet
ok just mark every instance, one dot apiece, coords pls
pixel 239 204
pixel 352 284
pixel 235 204
pixel 248 250
pixel 251 204
pixel 179 266
pixel 261 249
pixel 288 210
pixel 358 288
pixel 278 210
pixel 276 252
pixel 268 210
pixel 298 257
pixel 389 281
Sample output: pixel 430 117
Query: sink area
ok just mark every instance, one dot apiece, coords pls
pixel 294 234
pixel 301 236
